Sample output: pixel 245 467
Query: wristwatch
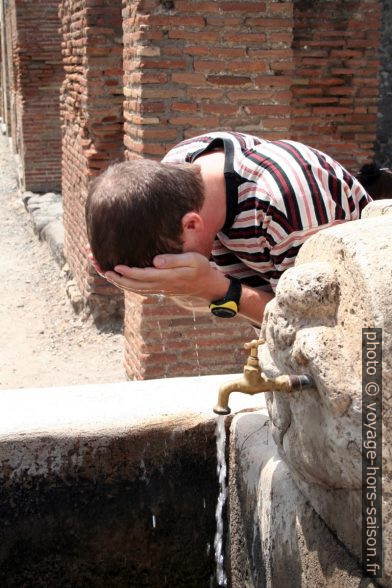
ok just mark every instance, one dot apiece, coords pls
pixel 229 305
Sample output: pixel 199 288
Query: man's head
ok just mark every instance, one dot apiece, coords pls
pixel 134 211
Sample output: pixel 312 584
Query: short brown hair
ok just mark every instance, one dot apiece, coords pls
pixel 134 210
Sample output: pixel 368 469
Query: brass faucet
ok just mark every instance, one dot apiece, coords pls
pixel 255 381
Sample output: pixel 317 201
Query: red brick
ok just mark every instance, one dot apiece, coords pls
pixel 202 7
pixel 209 36
pixel 273 80
pixel 207 93
pixel 233 66
pixel 245 38
pixel 243 7
pixel 280 9
pixel 171 64
pixel 176 21
pixel 265 109
pixel 220 108
pixel 332 110
pixel 188 78
pixel 268 23
pixel 228 80
pixel 184 106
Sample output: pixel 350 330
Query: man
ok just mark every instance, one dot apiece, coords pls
pixel 244 203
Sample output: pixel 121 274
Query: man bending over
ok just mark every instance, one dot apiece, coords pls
pixel 220 218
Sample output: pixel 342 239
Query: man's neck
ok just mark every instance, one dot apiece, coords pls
pixel 212 172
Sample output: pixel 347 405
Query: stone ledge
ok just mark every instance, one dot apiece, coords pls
pixel 113 408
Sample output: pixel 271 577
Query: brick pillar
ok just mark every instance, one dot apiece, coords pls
pixel 383 147
pixel 192 66
pixel 10 42
pixel 92 126
pixel 36 73
pixel 205 65
pixel 335 86
pixel 3 66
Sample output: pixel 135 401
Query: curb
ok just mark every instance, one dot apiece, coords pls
pixel 46 213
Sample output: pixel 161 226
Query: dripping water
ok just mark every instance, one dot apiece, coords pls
pixel 196 345
pixel 221 471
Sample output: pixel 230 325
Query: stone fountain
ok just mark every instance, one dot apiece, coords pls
pixel 115 485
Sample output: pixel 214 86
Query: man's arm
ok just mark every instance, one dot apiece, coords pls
pixel 188 274
pixel 253 303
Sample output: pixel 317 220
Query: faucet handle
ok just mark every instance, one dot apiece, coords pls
pixel 253 345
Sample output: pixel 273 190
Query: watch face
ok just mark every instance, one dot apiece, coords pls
pixel 223 312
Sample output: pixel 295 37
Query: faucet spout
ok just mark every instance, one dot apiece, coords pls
pixel 255 381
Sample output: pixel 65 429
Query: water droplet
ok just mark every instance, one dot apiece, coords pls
pixel 154 521
pixel 196 345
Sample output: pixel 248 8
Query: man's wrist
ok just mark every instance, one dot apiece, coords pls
pixel 217 287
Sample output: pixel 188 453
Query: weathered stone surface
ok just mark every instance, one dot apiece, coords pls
pixel 109 486
pixel 277 538
pixel 46 211
pixel 53 234
pixel 383 144
pixel 341 283
pixel 377 208
pixel 43 208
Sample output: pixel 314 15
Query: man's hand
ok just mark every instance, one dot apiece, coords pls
pixel 183 274
pixel 186 274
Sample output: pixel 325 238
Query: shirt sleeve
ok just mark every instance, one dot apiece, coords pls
pixel 229 264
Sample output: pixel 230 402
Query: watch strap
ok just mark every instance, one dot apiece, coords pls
pixel 228 306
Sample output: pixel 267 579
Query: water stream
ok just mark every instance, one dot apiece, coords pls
pixel 221 471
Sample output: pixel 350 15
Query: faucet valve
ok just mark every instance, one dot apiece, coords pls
pixel 253 346
pixel 255 381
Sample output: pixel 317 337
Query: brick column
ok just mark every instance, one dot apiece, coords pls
pixel 10 42
pixel 335 85
pixel 33 47
pixel 204 65
pixel 92 126
pixel 383 147
pixel 192 66
pixel 3 66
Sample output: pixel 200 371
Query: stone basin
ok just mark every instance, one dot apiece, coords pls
pixel 110 485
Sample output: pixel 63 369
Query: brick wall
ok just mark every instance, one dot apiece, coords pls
pixel 190 67
pixel 35 77
pixel 302 70
pixel 92 125
pixel 335 83
pixel 204 65
pixel 383 147
pixel 10 40
pixel 163 340
pixel 2 80
pixel 305 70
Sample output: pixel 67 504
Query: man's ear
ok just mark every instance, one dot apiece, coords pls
pixel 192 221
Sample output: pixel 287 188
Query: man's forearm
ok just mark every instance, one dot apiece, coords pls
pixel 253 303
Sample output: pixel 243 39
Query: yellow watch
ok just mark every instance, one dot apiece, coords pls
pixel 229 305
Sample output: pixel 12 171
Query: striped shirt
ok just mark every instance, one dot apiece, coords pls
pixel 278 194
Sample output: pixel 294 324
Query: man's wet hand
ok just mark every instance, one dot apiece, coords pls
pixel 182 274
